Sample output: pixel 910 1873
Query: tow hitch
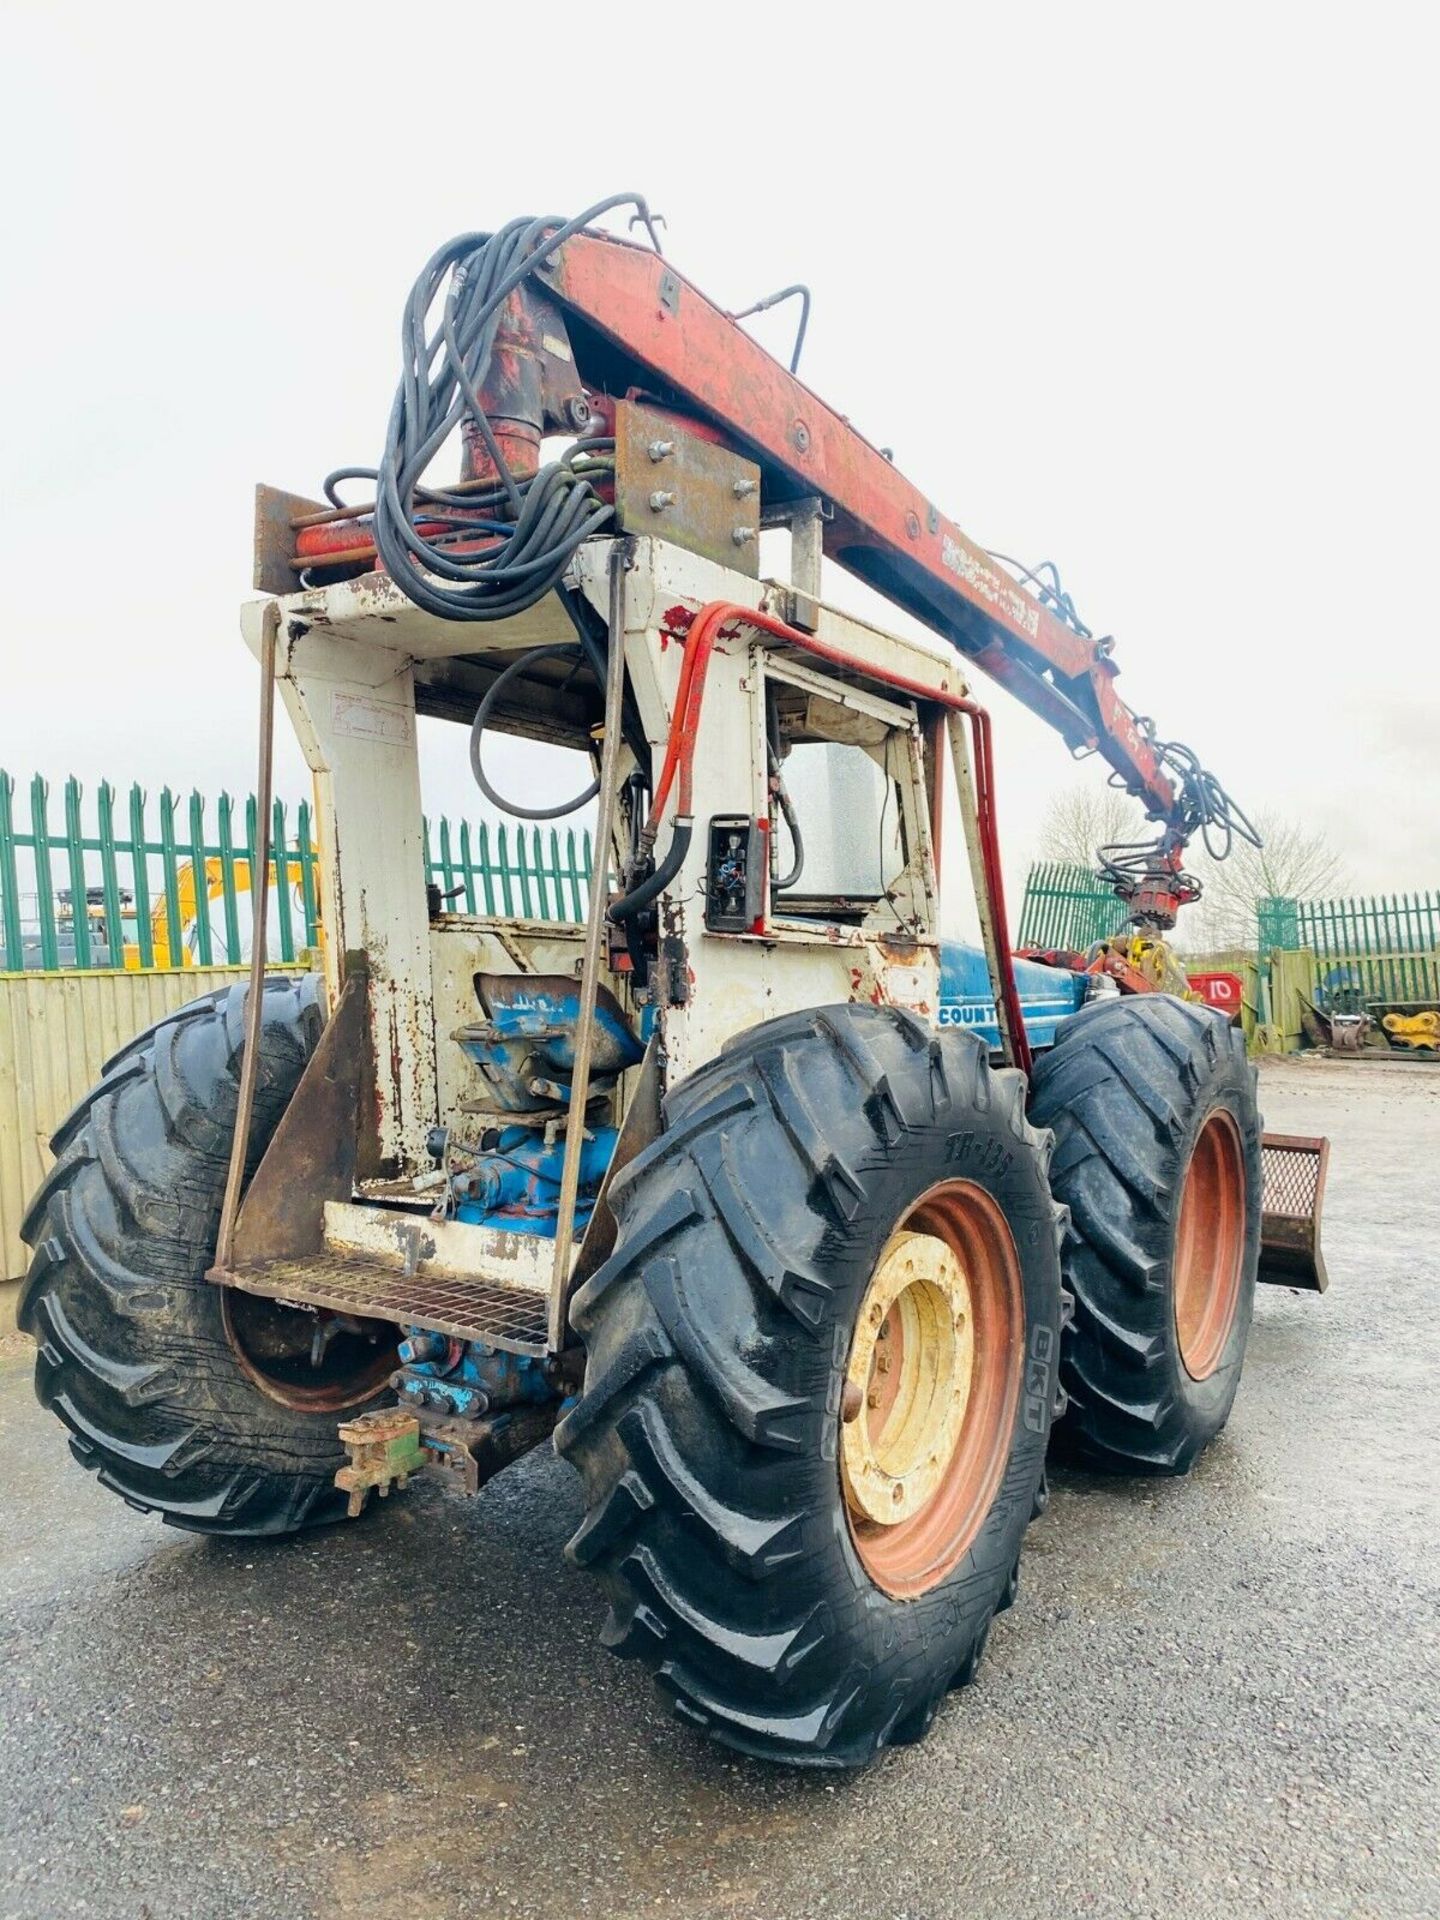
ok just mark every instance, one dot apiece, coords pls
pixel 388 1446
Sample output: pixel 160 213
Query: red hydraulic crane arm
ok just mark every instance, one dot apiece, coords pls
pixel 629 309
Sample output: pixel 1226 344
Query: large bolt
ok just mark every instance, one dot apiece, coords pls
pixel 742 488
pixel 742 536
pixel 659 502
pixel 661 449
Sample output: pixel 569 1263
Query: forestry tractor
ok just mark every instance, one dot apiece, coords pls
pixel 793 1223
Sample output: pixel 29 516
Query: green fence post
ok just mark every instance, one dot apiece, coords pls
pixel 487 869
pixel 557 873
pixel 537 860
pixel 10 879
pixel 109 873
pixel 305 853
pixel 200 874
pixel 447 856
pixel 280 867
pixel 177 954
pixel 44 884
pixel 467 866
pixel 230 906
pixel 140 876
pixel 572 875
pixel 252 842
pixel 502 857
pixel 75 864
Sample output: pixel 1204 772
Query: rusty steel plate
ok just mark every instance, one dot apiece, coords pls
pixel 684 489
pixel 275 515
pixel 1294 1167
pixel 465 1309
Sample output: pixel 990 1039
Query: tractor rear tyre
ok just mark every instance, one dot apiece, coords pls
pixel 821 1370
pixel 1157 1156
pixel 188 1399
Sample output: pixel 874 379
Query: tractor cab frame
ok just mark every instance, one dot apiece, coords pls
pixel 518 1065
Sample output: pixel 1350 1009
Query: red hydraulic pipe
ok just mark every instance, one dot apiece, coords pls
pixel 684 729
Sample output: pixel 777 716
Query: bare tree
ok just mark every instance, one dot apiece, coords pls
pixel 1085 816
pixel 1295 862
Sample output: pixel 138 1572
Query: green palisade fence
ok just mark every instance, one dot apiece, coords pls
pixel 1067 907
pixel 76 895
pixel 1368 951
pixel 510 871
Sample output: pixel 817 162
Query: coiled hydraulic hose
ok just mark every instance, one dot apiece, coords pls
pixel 538 522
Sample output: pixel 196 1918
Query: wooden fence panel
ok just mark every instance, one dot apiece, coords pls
pixel 57 1031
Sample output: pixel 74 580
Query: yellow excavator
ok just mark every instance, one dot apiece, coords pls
pixel 179 951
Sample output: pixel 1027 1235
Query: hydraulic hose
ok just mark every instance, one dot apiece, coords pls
pixel 640 897
pixel 791 819
pixel 477 734
pixel 589 648
pixel 540 520
pixel 679 758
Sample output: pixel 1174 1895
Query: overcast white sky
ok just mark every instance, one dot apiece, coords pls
pixel 1150 291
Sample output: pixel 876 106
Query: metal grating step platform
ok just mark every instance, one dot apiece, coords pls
pixel 1293 1172
pixel 510 1317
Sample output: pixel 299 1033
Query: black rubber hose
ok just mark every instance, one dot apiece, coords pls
pixel 443 374
pixel 477 734
pixel 640 897
pixel 590 631
pixel 797 839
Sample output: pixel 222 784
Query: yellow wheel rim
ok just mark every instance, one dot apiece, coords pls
pixel 912 1358
pixel 931 1387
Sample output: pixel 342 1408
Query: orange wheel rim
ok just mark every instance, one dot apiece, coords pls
pixel 932 1383
pixel 1209 1245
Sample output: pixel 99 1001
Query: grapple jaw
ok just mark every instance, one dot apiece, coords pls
pixel 1294 1167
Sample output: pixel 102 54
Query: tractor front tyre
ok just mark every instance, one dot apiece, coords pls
pixel 212 1408
pixel 1157 1156
pixel 821 1370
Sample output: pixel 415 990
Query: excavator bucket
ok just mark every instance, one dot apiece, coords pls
pixel 1293 1167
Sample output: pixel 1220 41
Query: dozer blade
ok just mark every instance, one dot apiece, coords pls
pixel 1294 1168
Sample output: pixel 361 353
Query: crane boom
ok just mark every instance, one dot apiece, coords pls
pixel 545 327
pixel 883 528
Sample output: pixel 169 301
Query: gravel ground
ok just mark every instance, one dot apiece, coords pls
pixel 1215 1696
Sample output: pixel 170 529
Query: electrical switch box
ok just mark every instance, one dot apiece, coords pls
pixel 735 873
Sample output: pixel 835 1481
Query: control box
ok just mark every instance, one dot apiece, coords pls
pixel 737 850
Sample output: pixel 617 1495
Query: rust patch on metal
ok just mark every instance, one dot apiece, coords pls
pixel 275 515
pixel 640 1126
pixel 384 1449
pixel 313 1152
